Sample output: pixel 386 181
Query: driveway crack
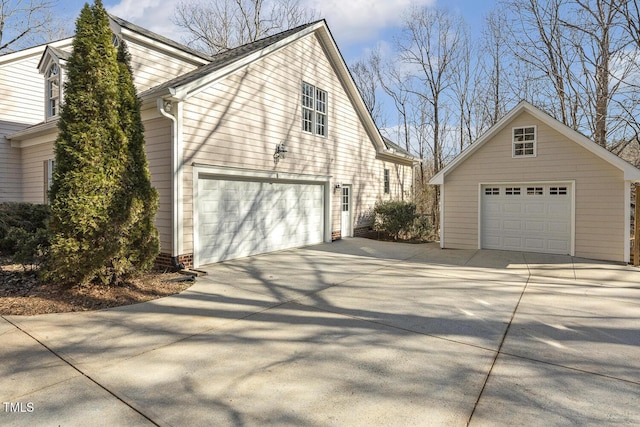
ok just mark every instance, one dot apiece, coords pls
pixel 504 338
pixel 75 368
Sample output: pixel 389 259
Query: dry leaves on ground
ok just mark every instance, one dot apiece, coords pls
pixel 23 293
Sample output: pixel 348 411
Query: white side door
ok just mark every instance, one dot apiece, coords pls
pixel 346 222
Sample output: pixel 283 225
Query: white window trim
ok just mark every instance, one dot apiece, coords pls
pixel 49 115
pixel 535 142
pixel 314 111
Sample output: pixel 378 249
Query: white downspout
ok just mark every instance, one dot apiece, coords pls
pixel 176 169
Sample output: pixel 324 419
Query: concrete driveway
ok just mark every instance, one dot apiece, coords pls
pixel 357 332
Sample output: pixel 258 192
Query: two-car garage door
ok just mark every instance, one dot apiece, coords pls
pixel 237 218
pixel 527 217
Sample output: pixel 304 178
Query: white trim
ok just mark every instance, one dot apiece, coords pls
pixel 176 168
pixel 627 222
pixel 202 83
pixel 570 182
pixel 131 35
pixel 351 227
pixel 442 216
pixel 631 173
pixel 535 143
pixel 211 171
pixel 36 50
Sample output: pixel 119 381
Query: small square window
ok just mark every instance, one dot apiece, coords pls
pixel 512 191
pixel 524 141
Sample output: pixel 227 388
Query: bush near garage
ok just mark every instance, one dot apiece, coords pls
pixel 394 218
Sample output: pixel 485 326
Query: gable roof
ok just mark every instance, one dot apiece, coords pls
pixel 117 24
pixel 233 60
pixel 201 76
pixel 52 53
pixel 631 173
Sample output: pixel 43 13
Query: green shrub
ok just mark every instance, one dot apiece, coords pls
pixel 30 247
pixel 23 216
pixel 395 218
pixel 422 228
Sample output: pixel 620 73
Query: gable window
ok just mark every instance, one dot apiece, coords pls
pixel 314 110
pixel 387 182
pixel 524 141
pixel 53 90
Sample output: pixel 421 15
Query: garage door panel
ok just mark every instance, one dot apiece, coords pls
pixel 534 226
pixel 512 242
pixel 537 209
pixel 512 225
pixel 558 245
pixel 511 208
pixel 538 219
pixel 241 218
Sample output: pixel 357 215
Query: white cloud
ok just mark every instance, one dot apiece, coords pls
pixel 352 21
pixel 358 21
pixel 154 15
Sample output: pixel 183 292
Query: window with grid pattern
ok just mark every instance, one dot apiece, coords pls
pixel 314 110
pixel 524 141
pixel 53 90
pixel 387 181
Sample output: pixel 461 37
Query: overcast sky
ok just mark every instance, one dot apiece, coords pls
pixel 357 25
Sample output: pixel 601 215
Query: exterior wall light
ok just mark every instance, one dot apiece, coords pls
pixel 281 149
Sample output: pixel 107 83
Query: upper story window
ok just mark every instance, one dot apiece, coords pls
pixel 524 141
pixel 53 90
pixel 314 110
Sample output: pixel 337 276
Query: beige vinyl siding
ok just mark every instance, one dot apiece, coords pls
pixel 10 183
pixel 238 122
pixel 599 189
pixel 22 94
pixel 158 149
pixel 152 67
pixel 22 91
pixel 33 179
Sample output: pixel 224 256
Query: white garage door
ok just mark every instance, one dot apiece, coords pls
pixel 242 218
pixel 527 217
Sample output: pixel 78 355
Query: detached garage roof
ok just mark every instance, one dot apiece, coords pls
pixel 631 173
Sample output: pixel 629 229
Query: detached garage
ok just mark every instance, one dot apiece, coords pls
pixel 532 184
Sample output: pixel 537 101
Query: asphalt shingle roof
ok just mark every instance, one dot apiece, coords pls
pixel 225 58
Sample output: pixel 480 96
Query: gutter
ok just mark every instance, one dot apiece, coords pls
pixel 172 109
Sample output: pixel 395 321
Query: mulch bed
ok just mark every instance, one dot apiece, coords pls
pixel 23 293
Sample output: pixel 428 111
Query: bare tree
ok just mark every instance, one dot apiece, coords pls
pixel 24 23
pixel 430 45
pixel 581 50
pixel 493 70
pixel 217 26
pixel 462 90
pixel 365 73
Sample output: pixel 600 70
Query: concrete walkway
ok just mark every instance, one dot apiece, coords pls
pixel 356 332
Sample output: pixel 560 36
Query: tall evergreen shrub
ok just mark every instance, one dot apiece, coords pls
pixel 101 183
pixel 141 242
